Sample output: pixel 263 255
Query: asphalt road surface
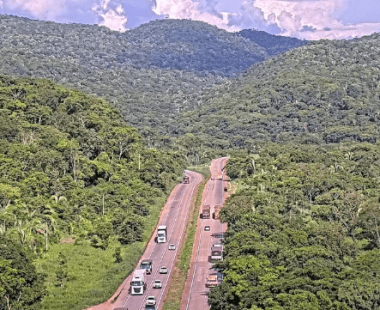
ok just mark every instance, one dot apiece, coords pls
pixel 174 216
pixel 195 297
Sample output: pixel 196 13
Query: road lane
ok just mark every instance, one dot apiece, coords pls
pixel 174 216
pixel 194 296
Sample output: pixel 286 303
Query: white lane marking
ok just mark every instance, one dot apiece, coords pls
pixel 182 233
pixel 151 253
pixel 164 283
pixel 199 243
pixel 195 269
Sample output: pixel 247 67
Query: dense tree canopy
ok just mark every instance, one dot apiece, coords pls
pixel 152 73
pixel 70 166
pixel 21 287
pixel 303 227
pixel 273 44
pixel 324 92
pixel 302 230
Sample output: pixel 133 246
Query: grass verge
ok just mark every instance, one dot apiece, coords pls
pixel 93 275
pixel 173 297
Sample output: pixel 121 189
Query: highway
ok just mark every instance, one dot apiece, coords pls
pixel 174 216
pixel 194 296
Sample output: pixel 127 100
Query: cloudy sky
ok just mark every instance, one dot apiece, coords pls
pixel 309 19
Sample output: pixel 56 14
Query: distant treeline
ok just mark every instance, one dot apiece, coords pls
pixel 325 92
pixel 152 73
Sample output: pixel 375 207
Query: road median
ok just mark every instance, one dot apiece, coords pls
pixel 182 265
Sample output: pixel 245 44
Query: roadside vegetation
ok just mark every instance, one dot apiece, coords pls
pixel 78 189
pixel 303 229
pixel 92 275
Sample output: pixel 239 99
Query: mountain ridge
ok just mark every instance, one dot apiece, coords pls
pixel 324 92
pixel 126 72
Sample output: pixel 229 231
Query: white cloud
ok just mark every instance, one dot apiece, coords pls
pixel 306 19
pixel 309 19
pixel 294 17
pixel 43 9
pixel 187 9
pixel 112 15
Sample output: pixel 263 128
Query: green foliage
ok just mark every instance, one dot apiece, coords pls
pixel 73 171
pixel 274 44
pixel 153 73
pixel 301 231
pixel 21 286
pixel 62 273
pixel 117 255
pixel 324 92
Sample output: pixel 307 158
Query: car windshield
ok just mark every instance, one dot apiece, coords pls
pixel 161 234
pixel 136 283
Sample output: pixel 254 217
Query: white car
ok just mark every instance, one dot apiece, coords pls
pixel 172 246
pixel 151 300
pixel 163 269
pixel 157 284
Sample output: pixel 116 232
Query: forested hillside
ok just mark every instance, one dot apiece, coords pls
pixel 273 44
pixel 93 59
pixel 152 73
pixel 303 230
pixel 71 171
pixel 325 92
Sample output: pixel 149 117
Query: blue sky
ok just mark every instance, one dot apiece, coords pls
pixel 309 19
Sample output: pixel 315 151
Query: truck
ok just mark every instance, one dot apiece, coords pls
pixel 217 209
pixel 186 180
pixel 212 280
pixel 206 210
pixel 146 265
pixel 217 251
pixel 138 285
pixel 161 234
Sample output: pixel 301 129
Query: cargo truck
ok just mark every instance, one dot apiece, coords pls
pixel 146 265
pixel 161 234
pixel 206 210
pixel 138 285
